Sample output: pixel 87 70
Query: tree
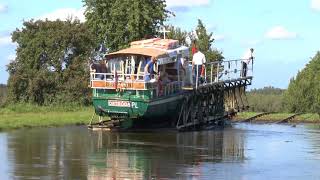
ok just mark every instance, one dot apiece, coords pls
pixel 178 34
pixel 3 94
pixel 204 42
pixel 51 63
pixel 267 99
pixel 118 22
pixel 303 94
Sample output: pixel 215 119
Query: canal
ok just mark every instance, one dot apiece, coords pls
pixel 243 151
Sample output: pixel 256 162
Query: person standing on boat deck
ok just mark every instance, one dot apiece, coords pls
pixel 245 61
pixel 194 48
pixel 148 69
pixel 198 61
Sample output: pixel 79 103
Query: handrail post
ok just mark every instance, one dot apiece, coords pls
pixel 218 72
pixel 229 67
pixel 252 66
pixel 211 73
pixel 205 73
pixel 197 74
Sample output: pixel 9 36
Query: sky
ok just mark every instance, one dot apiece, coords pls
pixel 283 33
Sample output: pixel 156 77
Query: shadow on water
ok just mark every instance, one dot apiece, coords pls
pixel 75 152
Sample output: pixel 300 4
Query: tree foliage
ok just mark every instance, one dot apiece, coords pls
pixel 3 94
pixel 178 34
pixel 303 94
pixel 267 99
pixel 204 42
pixel 118 22
pixel 51 63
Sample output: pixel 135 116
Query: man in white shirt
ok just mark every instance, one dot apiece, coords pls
pixel 245 61
pixel 198 62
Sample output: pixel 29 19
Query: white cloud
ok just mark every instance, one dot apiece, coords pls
pixel 219 37
pixel 279 32
pixel 315 4
pixel 5 40
pixel 210 27
pixel 12 57
pixel 253 42
pixel 187 3
pixel 3 8
pixel 64 14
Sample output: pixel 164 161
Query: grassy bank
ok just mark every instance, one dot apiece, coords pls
pixel 24 115
pixel 275 117
pixel 245 115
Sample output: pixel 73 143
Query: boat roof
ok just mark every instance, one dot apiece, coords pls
pixel 144 51
pixel 164 50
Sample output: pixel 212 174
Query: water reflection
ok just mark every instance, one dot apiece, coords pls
pixel 76 153
pixel 43 153
pixel 161 155
pixel 244 151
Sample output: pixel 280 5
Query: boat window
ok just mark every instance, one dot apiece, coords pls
pixel 130 65
pixel 115 64
pixel 140 65
pixel 144 62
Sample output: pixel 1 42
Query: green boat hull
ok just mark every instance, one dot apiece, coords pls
pixel 138 110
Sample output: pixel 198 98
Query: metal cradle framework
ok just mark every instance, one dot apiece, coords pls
pixel 210 104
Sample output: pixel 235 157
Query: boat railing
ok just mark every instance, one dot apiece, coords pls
pixel 219 71
pixel 126 81
pixel 134 82
pixel 117 81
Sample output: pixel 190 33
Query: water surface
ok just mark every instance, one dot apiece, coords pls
pixel 243 151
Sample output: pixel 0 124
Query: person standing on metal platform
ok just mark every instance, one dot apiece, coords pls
pixel 198 62
pixel 247 59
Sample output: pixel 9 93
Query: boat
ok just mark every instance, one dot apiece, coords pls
pixel 122 93
pixel 126 95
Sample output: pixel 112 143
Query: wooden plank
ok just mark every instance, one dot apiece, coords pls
pixel 98 84
pixel 121 85
pixel 256 116
pixel 190 88
pixel 286 120
pixel 138 85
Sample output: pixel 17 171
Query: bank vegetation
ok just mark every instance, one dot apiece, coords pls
pixel 49 78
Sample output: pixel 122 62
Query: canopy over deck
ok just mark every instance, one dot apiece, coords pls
pixel 156 47
pixel 152 52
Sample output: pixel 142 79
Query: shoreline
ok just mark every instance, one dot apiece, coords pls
pixel 30 116
pixel 307 118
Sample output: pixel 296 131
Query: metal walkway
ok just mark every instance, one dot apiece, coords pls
pixel 222 94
